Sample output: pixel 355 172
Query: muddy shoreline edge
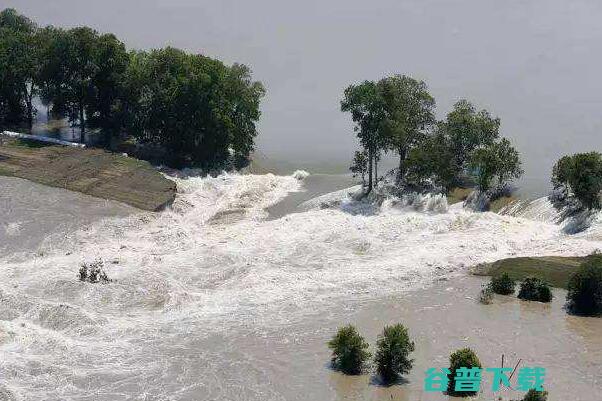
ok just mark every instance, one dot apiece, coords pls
pixel 93 172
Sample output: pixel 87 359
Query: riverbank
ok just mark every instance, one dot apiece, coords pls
pixel 94 172
pixel 555 270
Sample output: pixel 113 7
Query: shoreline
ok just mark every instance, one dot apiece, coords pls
pixel 93 172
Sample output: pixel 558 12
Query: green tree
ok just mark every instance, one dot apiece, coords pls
pixel 19 60
pixel 365 104
pixel 497 160
pixel 408 114
pixel 243 96
pixel 194 106
pixel 534 395
pixel 349 350
pixel 581 175
pixel 462 358
pixel 431 162
pixel 585 287
pixel 534 289
pixel 55 47
pixel 359 165
pixel 392 355
pixel 467 130
pixel 503 284
pixel 80 66
pixel 105 108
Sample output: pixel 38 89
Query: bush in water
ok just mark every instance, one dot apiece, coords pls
pixel 534 289
pixel 585 287
pixel 93 272
pixel 392 354
pixel 503 284
pixel 349 350
pixel 486 294
pixel 534 395
pixel 462 358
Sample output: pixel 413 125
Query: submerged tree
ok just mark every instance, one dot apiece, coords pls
pixel 392 358
pixel 349 350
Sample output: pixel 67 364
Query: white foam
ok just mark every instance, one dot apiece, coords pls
pixel 194 270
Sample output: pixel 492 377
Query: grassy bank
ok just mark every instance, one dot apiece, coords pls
pixel 459 194
pixel 555 270
pixel 94 172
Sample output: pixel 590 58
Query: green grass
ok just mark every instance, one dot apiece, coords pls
pixel 28 143
pixel 555 270
pixel 458 194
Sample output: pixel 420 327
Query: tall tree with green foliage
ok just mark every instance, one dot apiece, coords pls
pixel 431 163
pixel 365 104
pixel 581 176
pixel 105 109
pixel 497 161
pixel 19 60
pixel 194 106
pixel 408 114
pixel 467 129
pixel 243 96
pixel 80 66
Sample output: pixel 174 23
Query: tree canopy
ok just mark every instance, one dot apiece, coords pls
pixel 397 114
pixel 199 110
pixel 580 175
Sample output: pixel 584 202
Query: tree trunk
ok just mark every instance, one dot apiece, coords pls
pixel 370 159
pixel 402 158
pixel 82 124
pixel 29 102
pixel 376 171
pixel 29 114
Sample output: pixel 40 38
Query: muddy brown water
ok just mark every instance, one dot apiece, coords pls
pixel 30 213
pixel 293 362
pixel 260 359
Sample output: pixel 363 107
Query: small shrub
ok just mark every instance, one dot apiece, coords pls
pixel 534 395
pixel 486 294
pixel 93 272
pixel 585 287
pixel 462 358
pixel 392 354
pixel 534 289
pixel 503 284
pixel 349 350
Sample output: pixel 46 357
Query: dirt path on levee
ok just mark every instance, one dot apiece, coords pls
pixel 94 172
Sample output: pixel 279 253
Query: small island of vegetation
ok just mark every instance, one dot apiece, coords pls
pixel 396 114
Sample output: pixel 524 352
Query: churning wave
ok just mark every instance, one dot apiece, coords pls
pixel 212 262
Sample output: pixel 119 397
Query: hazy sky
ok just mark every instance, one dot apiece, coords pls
pixel 534 63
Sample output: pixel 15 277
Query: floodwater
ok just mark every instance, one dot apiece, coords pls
pixel 291 362
pixel 312 186
pixel 31 213
pixel 213 300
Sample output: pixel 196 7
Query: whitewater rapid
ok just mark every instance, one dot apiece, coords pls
pixel 212 264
